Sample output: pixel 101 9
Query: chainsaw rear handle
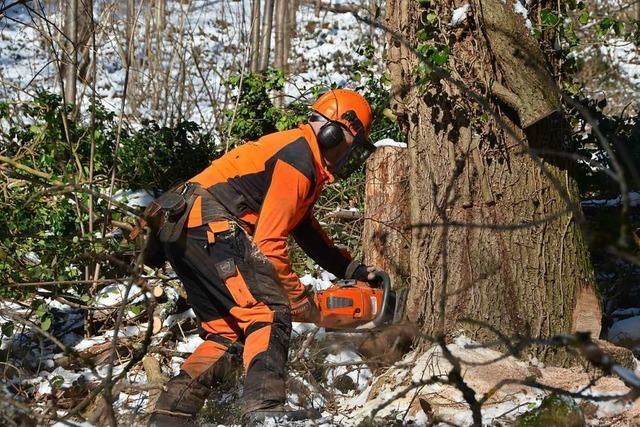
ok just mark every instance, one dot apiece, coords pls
pixel 385 281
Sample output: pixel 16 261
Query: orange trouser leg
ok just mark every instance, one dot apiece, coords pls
pixel 220 334
pixel 267 330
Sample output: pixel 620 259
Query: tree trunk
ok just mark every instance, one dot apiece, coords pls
pixel 85 33
pixel 255 36
pixel 492 238
pixel 385 241
pixel 290 31
pixel 71 57
pixel 267 25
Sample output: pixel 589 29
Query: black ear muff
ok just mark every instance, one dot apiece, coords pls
pixel 330 135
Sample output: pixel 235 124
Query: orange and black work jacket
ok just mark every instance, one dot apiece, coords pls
pixel 270 186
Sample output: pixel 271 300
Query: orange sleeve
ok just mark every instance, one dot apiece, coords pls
pixel 285 204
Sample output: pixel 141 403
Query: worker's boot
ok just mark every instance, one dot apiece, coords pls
pixel 179 402
pixel 279 416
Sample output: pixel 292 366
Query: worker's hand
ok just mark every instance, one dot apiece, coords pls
pixel 304 309
pixel 362 273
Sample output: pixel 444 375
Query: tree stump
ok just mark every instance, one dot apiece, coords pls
pixel 385 237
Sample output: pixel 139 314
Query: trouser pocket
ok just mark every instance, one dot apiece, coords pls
pixel 235 282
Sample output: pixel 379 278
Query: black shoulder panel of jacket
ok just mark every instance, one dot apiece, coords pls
pixel 297 154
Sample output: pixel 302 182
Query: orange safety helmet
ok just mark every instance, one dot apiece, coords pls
pixel 335 103
pixel 348 110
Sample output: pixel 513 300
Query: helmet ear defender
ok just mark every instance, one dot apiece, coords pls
pixel 330 135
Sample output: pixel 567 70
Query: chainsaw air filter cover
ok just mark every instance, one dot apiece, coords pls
pixel 347 305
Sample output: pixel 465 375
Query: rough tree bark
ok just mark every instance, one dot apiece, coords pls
pixel 255 36
pixel 385 240
pixel 482 246
pixel 70 68
pixel 267 25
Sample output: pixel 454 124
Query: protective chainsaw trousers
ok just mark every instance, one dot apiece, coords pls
pixel 235 293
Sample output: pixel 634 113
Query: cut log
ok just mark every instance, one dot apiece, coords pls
pixel 587 314
pixel 154 378
pixel 167 305
pixel 385 238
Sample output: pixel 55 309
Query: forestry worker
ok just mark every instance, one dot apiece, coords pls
pixel 225 234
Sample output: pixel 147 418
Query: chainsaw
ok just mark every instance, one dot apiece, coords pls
pixel 355 305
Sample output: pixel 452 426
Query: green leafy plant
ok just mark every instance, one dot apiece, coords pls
pixel 255 114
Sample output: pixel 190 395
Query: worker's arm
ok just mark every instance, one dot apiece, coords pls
pixel 285 203
pixel 315 243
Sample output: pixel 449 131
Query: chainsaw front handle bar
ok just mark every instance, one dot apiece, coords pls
pixel 386 295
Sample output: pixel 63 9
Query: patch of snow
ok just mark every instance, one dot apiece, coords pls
pixel 175 365
pixel 388 142
pixel 172 319
pixel 190 343
pixel 626 312
pixel 459 15
pixel 69 423
pixel 134 198
pixel 358 372
pixel 302 328
pixel 634 201
pixel 31 258
pixel 625 56
pixel 319 283
pixel 625 331
pixel 90 342
pixel 114 294
pixel 520 9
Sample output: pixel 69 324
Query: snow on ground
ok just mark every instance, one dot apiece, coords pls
pixel 396 393
pixel 624 55
pixel 135 198
pixel 625 332
pixel 521 9
pixel 388 142
pixel 634 200
pixel 459 15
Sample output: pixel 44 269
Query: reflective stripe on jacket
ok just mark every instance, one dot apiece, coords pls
pixel 270 186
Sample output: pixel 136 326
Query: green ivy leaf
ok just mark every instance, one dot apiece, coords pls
pixel 549 18
pixel 440 57
pixel 618 28
pixel 41 310
pixel 135 309
pixel 584 17
pixel 431 17
pixel 45 324
pixel 605 24
pixel 7 329
pixel 56 381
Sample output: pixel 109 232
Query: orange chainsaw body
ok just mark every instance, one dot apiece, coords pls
pixel 346 306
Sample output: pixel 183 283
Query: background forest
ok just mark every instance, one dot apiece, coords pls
pixel 504 195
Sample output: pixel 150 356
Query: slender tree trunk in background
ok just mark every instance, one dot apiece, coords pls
pixel 132 91
pixel 385 239
pixel 161 14
pixel 267 25
pixel 84 34
pixel 255 36
pixel 71 57
pixel 280 5
pixel 292 12
pixel 523 274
